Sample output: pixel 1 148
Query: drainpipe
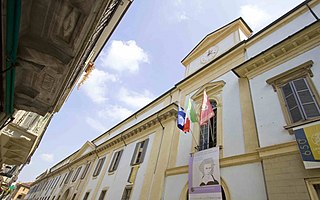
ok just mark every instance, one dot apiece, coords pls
pixel 12 42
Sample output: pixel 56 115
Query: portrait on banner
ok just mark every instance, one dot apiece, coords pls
pixel 204 175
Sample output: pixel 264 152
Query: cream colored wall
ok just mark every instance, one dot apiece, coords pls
pixel 223 46
pixel 245 182
pixel 176 183
pixel 271 122
pixel 116 181
pixel 282 31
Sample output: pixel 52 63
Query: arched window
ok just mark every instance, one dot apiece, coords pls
pixel 208 132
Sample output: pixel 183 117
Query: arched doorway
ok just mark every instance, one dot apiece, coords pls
pixel 65 195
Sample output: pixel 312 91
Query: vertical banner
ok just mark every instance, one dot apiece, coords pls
pixel 204 175
pixel 308 139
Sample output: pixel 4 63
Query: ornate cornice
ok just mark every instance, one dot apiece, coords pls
pixel 281 52
pixel 167 113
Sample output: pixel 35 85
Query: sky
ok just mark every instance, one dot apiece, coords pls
pixel 141 61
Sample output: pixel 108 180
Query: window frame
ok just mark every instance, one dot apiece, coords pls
pixel 214 92
pixel 213 120
pixel 85 170
pixel 302 71
pixel 310 186
pixel 76 174
pixel 86 195
pixel 136 160
pixel 105 192
pixel 115 161
pixel 99 166
pixel 68 177
pixel 125 193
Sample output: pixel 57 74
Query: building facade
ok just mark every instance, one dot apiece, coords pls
pixel 46 47
pixel 21 191
pixel 261 87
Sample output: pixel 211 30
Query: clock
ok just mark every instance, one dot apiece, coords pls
pixel 209 54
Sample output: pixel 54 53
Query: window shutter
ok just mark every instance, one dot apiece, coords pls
pixel 112 162
pixel 133 174
pixel 135 153
pixel 118 160
pixel 291 103
pixel 308 103
pixel 145 146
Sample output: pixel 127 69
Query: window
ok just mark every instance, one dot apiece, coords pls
pixel 208 132
pixel 299 100
pixel 102 194
pixel 57 182
pixel 76 174
pixel 139 152
pixel 68 177
pixel 99 166
pixel 86 196
pixel 115 161
pixel 298 97
pixel 74 196
pixel 85 171
pixel 313 186
pixel 63 180
pixel 133 174
pixel 126 193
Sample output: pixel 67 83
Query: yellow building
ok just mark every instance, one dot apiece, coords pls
pixel 262 88
pixel 21 191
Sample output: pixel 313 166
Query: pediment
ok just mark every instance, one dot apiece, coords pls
pixel 211 89
pixel 86 148
pixel 215 37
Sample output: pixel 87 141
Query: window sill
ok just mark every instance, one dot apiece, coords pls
pixel 291 126
pixel 111 173
pixel 137 164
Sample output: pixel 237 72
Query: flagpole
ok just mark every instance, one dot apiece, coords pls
pixel 197 147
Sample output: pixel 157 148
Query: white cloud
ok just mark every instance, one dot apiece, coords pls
pixel 135 99
pixel 115 112
pixel 97 125
pixel 95 86
pixel 255 16
pixel 124 56
pixel 182 16
pixel 47 157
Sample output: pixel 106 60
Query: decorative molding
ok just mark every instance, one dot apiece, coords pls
pixel 211 89
pixel 278 150
pixel 177 170
pixel 287 148
pixel 240 159
pixel 300 71
pixel 214 38
pixel 167 113
pixel 281 52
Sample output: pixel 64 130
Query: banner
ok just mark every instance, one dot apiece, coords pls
pixel 204 175
pixel 308 139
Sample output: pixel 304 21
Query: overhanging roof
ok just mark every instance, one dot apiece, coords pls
pixel 55 41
